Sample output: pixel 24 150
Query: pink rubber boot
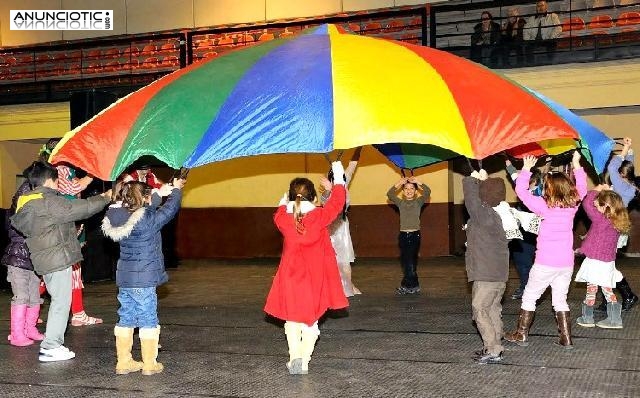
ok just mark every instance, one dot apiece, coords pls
pixel 31 319
pixel 17 337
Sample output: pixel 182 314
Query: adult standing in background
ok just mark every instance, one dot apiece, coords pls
pixel 484 40
pixel 512 37
pixel 542 30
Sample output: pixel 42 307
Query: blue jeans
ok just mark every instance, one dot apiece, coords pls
pixel 138 307
pixel 523 254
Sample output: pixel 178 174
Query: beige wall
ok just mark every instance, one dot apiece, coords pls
pixel 141 16
pixel 15 156
pixel 261 181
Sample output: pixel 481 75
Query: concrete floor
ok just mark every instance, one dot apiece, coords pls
pixel 218 343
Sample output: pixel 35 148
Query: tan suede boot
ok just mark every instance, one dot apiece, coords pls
pixel 293 331
pixel 149 347
pixel 124 342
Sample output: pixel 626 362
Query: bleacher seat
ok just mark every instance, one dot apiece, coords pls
pixel 571 27
pixel 168 50
pixel 58 56
pixel 203 43
pixel 225 40
pixel 149 49
pixel 150 63
pixel 415 22
pixel 601 22
pixel 111 66
pixel 73 68
pixel 170 61
pixel 286 33
pixel 628 18
pixel 92 54
pixel 247 38
pixel 411 38
pixel 266 36
pixel 130 52
pixel 91 68
pixel 74 56
pixel 354 27
pixel 111 53
pixel 394 26
pixel 372 28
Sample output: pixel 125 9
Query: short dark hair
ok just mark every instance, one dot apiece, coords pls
pixel 39 172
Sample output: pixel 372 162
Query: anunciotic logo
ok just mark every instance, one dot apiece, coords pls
pixel 61 20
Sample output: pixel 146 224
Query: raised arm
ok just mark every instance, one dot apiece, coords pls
pixel 471 192
pixel 511 170
pixel 589 207
pixel 535 203
pixel 579 174
pixel 67 210
pixel 627 152
pixel 392 193
pixel 353 163
pixel 426 191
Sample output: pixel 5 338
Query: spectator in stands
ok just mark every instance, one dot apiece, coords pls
pixel 512 37
pixel 542 30
pixel 484 40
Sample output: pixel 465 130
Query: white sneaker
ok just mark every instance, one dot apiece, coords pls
pixel 60 353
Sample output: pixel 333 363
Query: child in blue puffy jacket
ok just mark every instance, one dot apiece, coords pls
pixel 136 223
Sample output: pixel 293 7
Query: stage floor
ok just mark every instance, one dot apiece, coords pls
pixel 217 342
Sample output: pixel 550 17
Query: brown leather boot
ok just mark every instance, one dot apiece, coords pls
pixel 520 336
pixel 563 318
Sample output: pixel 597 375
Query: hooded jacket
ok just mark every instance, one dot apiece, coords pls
pixel 141 262
pixel 16 254
pixel 487 255
pixel 47 220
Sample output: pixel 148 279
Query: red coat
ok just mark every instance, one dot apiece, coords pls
pixel 307 282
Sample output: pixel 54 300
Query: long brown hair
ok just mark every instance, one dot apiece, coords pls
pixel 134 195
pixel 614 210
pixel 300 189
pixel 560 191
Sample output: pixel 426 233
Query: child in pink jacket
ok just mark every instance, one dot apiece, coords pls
pixel 553 265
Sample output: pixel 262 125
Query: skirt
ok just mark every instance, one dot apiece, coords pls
pixel 601 273
pixel 341 241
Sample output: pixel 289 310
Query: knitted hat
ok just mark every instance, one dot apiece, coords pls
pixel 492 191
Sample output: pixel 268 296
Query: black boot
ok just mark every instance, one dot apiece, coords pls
pixel 628 298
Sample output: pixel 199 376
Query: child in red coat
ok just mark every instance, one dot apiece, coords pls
pixel 307 282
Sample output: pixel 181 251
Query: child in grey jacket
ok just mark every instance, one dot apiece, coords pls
pixel 47 220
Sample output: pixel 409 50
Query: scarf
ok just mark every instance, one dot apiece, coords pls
pixel 528 221
pixel 509 221
pixel 305 206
